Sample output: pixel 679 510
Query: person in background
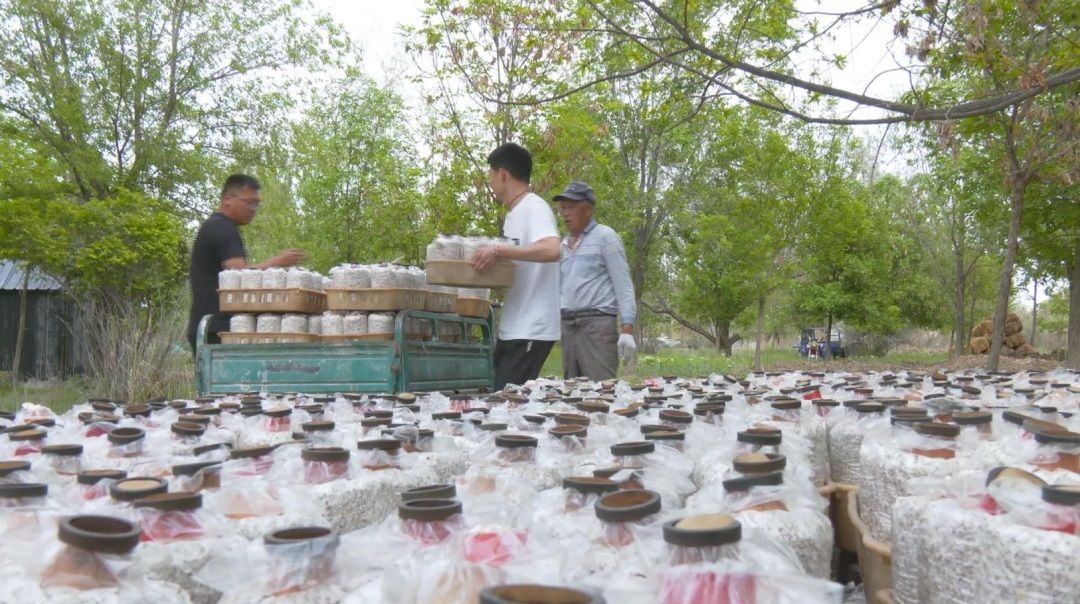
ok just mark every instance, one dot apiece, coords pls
pixel 218 246
pixel 596 287
pixel 529 323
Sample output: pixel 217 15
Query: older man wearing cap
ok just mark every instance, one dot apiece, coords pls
pixel 596 287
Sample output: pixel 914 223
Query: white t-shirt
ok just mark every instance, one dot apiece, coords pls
pixel 531 310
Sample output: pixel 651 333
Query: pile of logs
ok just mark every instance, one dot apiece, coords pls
pixel 1015 342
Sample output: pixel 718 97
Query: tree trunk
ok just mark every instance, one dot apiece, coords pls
pixel 958 306
pixel 759 333
pixel 828 338
pixel 1072 359
pixel 971 320
pixel 997 339
pixel 20 335
pixel 1034 313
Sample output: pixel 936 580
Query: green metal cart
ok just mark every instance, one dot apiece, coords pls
pixel 461 363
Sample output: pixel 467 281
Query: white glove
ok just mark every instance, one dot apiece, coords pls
pixel 627 347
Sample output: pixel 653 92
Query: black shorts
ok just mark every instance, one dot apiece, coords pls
pixel 518 361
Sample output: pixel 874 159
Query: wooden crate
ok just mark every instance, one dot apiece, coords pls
pixel 272 300
pixel 472 307
pixel 440 302
pixel 376 299
pixel 462 274
pixel 228 337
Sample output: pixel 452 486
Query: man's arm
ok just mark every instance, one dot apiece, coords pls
pixel 547 249
pixel 619 273
pixel 286 258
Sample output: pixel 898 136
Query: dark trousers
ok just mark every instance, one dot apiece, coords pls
pixel 518 361
pixel 590 347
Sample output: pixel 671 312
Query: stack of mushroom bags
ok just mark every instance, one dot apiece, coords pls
pixel 676 490
pixel 641 494
pixel 971 479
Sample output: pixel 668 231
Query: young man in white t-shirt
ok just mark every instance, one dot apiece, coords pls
pixel 529 325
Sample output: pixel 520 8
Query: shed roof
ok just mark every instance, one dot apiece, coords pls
pixel 11 278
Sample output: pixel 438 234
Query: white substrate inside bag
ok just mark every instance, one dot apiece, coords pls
pixel 807 532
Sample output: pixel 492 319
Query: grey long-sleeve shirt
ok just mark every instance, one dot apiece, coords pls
pixel 595 275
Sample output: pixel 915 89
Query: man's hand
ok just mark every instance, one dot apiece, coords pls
pixel 485 258
pixel 289 257
pixel 627 347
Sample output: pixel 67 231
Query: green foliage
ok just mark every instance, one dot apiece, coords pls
pixel 143 94
pixel 747 199
pixel 356 196
pixel 126 246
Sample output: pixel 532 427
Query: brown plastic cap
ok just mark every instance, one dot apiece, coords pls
pixel 18 490
pixel 188 429
pixel 759 463
pixel 1061 494
pixel 705 530
pixel 627 506
pixel 199 450
pixel 569 430
pixel 676 416
pixel 91 477
pixel 171 502
pixel 318 426
pixel 130 489
pixel 327 454
pixel 633 448
pixel 301 534
pixel 390 445
pixel 589 484
pixel 429 510
pixel 278 412
pixel 10 467
pixel 592 407
pixel 536 594
pixel 760 436
pixel 126 436
pixel 251 452
pixel 26 434
pixel 191 469
pixel 787 404
pixel 936 429
pixel 745 483
pixel 972 418
pixel 435 491
pixel 493 427
pixel 515 441
pixel 379 414
pixel 627 412
pixel 140 410
pixel 191 418
pixel 571 419
pixel 103 534
pixel 666 435
pixel 64 450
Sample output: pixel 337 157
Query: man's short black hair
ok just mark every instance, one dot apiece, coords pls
pixel 235 182
pixel 513 158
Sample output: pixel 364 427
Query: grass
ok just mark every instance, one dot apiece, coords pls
pixel 58 395
pixel 686 363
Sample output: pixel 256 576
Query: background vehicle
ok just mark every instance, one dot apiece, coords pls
pixel 812 343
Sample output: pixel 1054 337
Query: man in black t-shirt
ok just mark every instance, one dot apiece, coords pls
pixel 218 246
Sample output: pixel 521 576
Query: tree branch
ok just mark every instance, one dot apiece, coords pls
pixel 663 309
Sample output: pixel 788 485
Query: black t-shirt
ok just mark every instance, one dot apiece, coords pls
pixel 217 241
